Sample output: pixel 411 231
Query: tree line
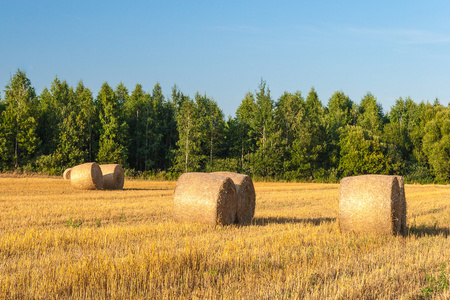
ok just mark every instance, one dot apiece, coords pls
pixel 293 138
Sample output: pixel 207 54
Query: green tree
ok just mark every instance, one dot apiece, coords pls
pixel 2 105
pixel 77 129
pixel 338 115
pixel 85 101
pixel 361 152
pixel 397 134
pixel 47 122
pixel 122 96
pixel 3 147
pixel 137 108
pixel 212 128
pixel 112 145
pixel 171 134
pixel 425 112
pixel 149 121
pixel 229 156
pixel 308 149
pixel 19 123
pixel 53 108
pixel 245 142
pixel 267 155
pixel 163 129
pixel 371 115
pixel 436 145
pixel 288 110
pixel 188 155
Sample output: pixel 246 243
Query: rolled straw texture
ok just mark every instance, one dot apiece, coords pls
pixel 87 176
pixel 246 196
pixel 205 198
pixel 369 204
pixel 66 174
pixel 402 210
pixel 113 177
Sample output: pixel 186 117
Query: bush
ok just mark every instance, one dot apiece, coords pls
pixel 151 175
pixel 47 164
pixel 224 164
pixel 419 174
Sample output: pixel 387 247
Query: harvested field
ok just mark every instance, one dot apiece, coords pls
pixel 60 242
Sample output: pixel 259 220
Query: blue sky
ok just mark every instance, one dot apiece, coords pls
pixel 223 48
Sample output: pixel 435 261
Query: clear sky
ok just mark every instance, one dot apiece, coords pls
pixel 223 48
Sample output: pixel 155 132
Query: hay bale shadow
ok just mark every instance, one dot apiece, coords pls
pixel 424 230
pixel 261 221
pixel 144 189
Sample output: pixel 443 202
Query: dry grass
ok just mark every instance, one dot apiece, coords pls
pixel 59 242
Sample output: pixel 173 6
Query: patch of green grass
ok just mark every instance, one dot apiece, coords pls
pixel 435 284
pixel 73 223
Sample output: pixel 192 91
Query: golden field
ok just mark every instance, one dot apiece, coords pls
pixel 60 243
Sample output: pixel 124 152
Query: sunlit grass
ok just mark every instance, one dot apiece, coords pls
pixel 57 242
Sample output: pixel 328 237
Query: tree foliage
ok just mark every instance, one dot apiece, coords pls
pixel 19 139
pixel 112 143
pixel 361 152
pixel 436 145
pixel 290 138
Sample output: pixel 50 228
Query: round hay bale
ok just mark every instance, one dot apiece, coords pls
pixel 246 196
pixel 87 176
pixel 369 204
pixel 402 210
pixel 205 198
pixel 66 174
pixel 113 177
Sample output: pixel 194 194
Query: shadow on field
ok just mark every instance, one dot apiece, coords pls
pixel 423 230
pixel 144 189
pixel 281 220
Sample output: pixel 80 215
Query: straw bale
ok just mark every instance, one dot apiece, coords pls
pixel 370 204
pixel 66 174
pixel 205 198
pixel 113 177
pixel 246 197
pixel 402 210
pixel 87 176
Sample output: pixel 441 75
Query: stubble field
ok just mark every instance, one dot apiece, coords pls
pixel 58 242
